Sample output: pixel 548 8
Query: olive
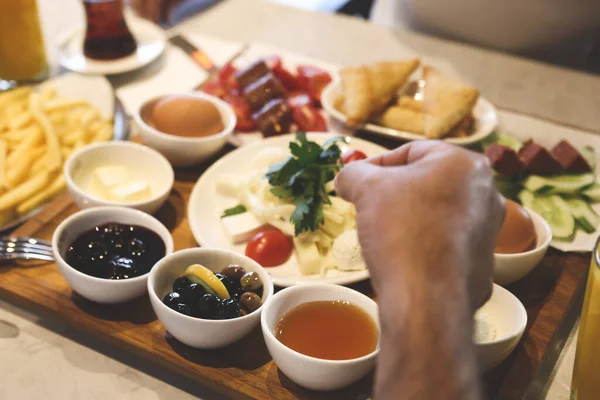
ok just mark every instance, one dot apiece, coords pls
pixel 251 281
pixel 243 312
pixel 171 300
pixel 180 284
pixel 228 309
pixel 207 306
pixel 192 293
pixel 250 301
pixel 233 271
pixel 232 286
pixel 184 309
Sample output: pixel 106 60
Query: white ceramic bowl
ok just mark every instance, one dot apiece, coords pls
pixel 197 332
pixel 309 372
pixel 100 290
pixel 508 317
pixel 181 151
pixel 142 163
pixel 509 268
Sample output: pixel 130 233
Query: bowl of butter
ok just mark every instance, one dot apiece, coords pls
pixel 119 174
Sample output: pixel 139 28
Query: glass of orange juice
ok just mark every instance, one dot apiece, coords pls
pixel 586 380
pixel 22 53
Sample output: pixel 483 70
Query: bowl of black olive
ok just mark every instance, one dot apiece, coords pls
pixel 106 253
pixel 208 297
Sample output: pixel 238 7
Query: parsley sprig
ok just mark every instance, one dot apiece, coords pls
pixel 302 178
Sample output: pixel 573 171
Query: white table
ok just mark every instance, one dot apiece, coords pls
pixel 41 359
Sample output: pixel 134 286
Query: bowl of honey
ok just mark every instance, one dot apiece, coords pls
pixel 322 336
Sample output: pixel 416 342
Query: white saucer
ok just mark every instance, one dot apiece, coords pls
pixel 150 40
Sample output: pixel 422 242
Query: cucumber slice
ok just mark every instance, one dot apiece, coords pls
pixel 589 154
pixel 503 139
pixel 585 216
pixel 565 184
pixel 592 192
pixel 507 187
pixel 553 209
pixel 195 279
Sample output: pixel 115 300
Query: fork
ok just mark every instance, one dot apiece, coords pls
pixel 26 248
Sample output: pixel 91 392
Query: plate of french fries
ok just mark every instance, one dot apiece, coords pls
pixel 384 98
pixel 39 128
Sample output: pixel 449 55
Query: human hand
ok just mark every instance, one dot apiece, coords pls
pixel 154 10
pixel 427 210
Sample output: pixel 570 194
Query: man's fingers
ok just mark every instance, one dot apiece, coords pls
pixel 408 153
pixel 350 181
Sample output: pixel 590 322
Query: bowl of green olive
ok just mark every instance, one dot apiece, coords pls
pixel 207 297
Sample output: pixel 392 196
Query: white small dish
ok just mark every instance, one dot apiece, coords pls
pixel 142 163
pixel 185 151
pixel 150 39
pixel 205 206
pixel 309 372
pixel 484 112
pixel 107 291
pixel 510 268
pixel 198 332
pixel 508 317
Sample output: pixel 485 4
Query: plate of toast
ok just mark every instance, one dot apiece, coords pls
pixel 384 98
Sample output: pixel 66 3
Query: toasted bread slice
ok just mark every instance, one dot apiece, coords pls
pixel 387 78
pixel 446 103
pixel 358 93
pixel 403 119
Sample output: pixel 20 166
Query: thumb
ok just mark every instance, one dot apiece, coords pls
pixel 350 181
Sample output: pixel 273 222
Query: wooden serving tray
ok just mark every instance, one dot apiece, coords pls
pixel 245 369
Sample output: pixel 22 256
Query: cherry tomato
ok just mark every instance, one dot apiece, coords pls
pixel 309 119
pixel 227 76
pixel 273 62
pixel 242 113
pixel 313 80
pixel 299 99
pixel 287 79
pixel 353 155
pixel 269 248
pixel 214 88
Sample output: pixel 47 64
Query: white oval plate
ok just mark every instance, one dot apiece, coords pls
pixel 206 204
pixel 486 119
pixel 150 40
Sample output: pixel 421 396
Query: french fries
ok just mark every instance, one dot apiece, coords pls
pixel 39 129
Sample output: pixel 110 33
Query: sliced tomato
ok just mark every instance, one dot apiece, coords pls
pixel 287 79
pixel 313 80
pixel 299 99
pixel 309 119
pixel 273 62
pixel 227 78
pixel 270 248
pixel 214 88
pixel 353 155
pixel 242 113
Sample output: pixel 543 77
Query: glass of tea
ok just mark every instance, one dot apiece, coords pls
pixel 22 52
pixel 107 36
pixel 586 385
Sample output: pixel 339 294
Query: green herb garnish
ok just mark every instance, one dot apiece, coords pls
pixel 239 209
pixel 302 178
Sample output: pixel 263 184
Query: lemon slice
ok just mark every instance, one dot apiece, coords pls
pixel 209 278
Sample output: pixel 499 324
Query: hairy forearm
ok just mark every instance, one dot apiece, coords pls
pixel 426 328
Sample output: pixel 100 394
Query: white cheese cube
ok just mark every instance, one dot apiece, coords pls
pixel 229 184
pixel 241 227
pixel 105 178
pixel 130 192
pixel 308 256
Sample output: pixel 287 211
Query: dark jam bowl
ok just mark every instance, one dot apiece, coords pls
pixel 198 332
pixel 100 290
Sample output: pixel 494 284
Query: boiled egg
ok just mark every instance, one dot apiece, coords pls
pixel 518 233
pixel 186 116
